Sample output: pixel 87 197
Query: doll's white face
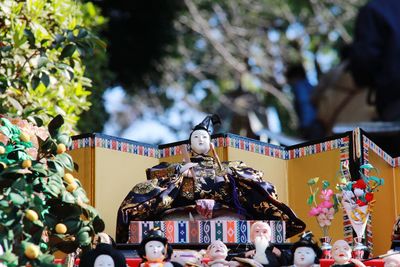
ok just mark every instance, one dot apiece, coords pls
pixel 217 250
pixel 260 229
pixel 154 250
pixel 104 261
pixel 200 141
pixel 392 261
pixel 304 257
pixel 341 252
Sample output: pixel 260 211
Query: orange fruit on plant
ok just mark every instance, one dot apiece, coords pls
pixel 31 215
pixel 69 178
pixel 61 228
pixel 72 186
pixel 61 148
pixel 26 163
pixel 32 251
pixel 3 165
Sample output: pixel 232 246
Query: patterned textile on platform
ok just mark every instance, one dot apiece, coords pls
pixel 204 231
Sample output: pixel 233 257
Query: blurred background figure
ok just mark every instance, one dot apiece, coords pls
pixel 309 126
pixel 375 55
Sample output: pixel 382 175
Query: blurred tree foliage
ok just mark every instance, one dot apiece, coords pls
pixel 223 56
pixel 42 47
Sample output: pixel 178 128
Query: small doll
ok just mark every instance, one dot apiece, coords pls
pixel 306 252
pixel 265 254
pixel 155 250
pixel 217 253
pixel 341 253
pixel 103 255
pixel 392 260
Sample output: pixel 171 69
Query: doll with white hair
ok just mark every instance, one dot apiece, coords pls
pixel 264 254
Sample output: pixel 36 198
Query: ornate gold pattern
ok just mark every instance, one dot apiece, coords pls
pixel 262 207
pixel 143 188
pixel 187 190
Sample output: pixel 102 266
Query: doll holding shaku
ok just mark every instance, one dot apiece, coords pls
pixel 341 253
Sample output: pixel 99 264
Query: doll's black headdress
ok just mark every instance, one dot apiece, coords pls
pixel 155 235
pixel 207 124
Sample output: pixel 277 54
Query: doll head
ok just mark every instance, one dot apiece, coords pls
pixel 260 230
pixel 392 260
pixel 217 250
pixel 341 252
pixel 104 255
pixel 200 137
pixel 155 247
pixel 104 261
pixel 305 251
pixel 200 141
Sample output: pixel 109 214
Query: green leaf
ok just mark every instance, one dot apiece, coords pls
pixel 42 62
pixel 377 180
pixel 10 258
pixel 84 238
pixel 310 200
pixel 64 139
pixel 4 203
pixel 325 184
pixel 15 104
pixel 66 161
pixel 98 224
pixel 17 199
pixel 313 181
pixel 367 166
pixel 45 79
pixel 82 33
pixel 46 259
pixel 19 184
pixel 49 146
pixel 81 194
pixel 35 81
pixel 59 39
pixel 38 121
pixel 68 51
pixel 100 43
pixel 50 220
pixel 31 38
pixel 6 131
pixel 38 223
pixel 40 168
pixel 73 225
pixel 68 197
pixel 56 166
pixel 52 189
pixel 55 125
